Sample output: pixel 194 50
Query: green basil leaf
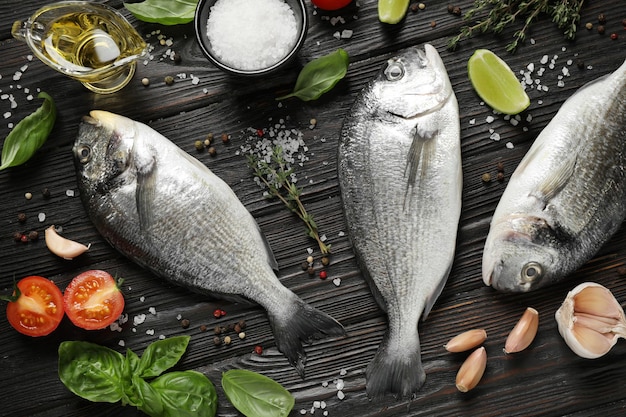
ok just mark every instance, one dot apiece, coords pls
pixel 255 395
pixel 165 12
pixel 150 400
pixel 320 76
pixel 186 394
pixel 91 371
pixel 29 134
pixel 161 356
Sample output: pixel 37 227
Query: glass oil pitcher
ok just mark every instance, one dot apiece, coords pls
pixel 90 42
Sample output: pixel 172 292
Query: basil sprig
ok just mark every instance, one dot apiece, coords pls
pixel 320 75
pixel 100 374
pixel 165 12
pixel 256 395
pixel 29 134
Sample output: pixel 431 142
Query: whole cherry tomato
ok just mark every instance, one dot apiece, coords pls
pixel 330 4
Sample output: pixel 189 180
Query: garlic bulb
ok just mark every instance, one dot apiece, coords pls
pixel 591 320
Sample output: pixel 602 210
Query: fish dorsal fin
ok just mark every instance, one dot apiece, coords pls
pixel 144 192
pixel 555 182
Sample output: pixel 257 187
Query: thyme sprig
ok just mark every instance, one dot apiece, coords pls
pixel 564 13
pixel 277 177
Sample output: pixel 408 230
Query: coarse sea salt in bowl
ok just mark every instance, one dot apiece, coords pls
pixel 250 37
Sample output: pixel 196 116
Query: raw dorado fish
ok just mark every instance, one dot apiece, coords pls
pixel 567 197
pixel 401 181
pixel 163 208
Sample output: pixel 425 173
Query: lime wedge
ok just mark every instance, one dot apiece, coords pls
pixel 495 83
pixel 392 11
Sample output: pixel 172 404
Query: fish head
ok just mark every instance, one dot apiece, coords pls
pixel 102 151
pixel 520 255
pixel 412 83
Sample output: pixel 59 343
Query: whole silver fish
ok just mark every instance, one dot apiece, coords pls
pixel 401 180
pixel 163 208
pixel 567 197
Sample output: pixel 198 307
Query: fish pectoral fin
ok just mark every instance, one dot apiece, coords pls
pixel 144 193
pixel 557 180
pixel 421 151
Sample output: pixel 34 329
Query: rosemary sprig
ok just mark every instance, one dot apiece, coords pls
pixel 276 176
pixel 564 13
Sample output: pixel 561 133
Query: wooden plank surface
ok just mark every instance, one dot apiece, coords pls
pixel 546 380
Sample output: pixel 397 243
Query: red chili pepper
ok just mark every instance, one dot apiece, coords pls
pixel 614 36
pixel 258 350
pixel 323 275
pixel 218 313
pixel 259 132
pixel 24 238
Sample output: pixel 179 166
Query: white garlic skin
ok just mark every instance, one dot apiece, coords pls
pixel 598 344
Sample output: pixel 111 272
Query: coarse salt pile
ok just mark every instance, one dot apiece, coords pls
pixel 251 34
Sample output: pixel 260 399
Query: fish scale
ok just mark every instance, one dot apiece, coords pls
pixel 567 197
pixel 169 213
pixel 400 174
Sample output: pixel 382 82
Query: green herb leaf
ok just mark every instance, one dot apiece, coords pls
pixel 91 371
pixel 161 356
pixel 149 398
pixel 186 394
pixel 255 395
pixel 165 12
pixel 320 75
pixel 29 134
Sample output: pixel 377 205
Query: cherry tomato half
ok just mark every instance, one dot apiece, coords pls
pixel 93 300
pixel 330 4
pixel 39 308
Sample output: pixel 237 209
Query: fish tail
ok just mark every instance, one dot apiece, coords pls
pixel 396 371
pixel 302 325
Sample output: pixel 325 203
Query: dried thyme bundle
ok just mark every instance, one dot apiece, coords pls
pixel 564 13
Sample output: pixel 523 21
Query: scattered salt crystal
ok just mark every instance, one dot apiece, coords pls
pixel 29 57
pixel 309 250
pixel 341 395
pixel 179 317
pixel 161 337
pixel 150 332
pixel 115 327
pixel 509 145
pixel 337 282
pixel 69 193
pixel 530 67
pixel 41 217
pixel 340 384
pixel 341 234
pixel 560 84
pixel 325 384
pixel 121 343
pixel 139 319
pixel 142 298
pixel 7 115
pixel 152 311
pixel 472 121
pixel 346 34
pixel 337 35
pixel 544 59
pixel 17 76
pixel 317 404
pixel 323 238
pixel 489 119
pixel 495 136
pixel 343 372
pixel 529 117
pixel 303 411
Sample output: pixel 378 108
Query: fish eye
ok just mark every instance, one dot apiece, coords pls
pixel 531 272
pixel 394 72
pixel 84 154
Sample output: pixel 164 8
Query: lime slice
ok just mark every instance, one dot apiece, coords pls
pixel 495 83
pixel 392 11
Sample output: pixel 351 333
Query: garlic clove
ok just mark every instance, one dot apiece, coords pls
pixel 60 246
pixel 523 333
pixel 466 340
pixel 597 300
pixel 590 320
pixel 472 370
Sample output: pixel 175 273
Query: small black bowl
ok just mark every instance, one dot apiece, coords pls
pixel 200 25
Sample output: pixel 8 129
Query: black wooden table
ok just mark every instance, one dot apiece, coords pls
pixel 547 379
